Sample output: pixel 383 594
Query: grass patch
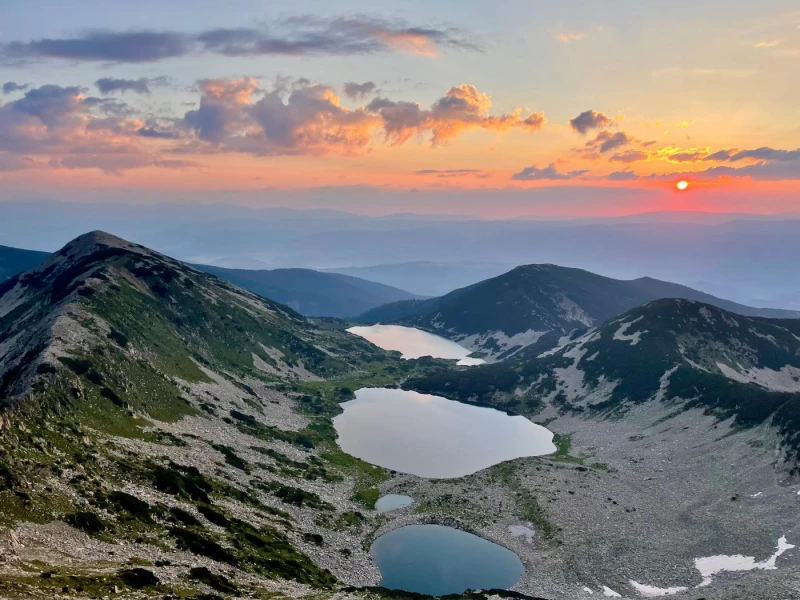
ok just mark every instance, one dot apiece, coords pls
pixel 368 497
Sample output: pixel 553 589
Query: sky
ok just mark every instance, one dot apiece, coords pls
pixel 517 108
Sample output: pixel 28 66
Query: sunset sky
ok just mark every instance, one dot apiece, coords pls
pixel 497 109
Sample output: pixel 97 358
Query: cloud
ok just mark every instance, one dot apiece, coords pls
pixel 763 171
pixel 105 46
pixel 462 108
pixel 448 173
pixel 9 87
pixel 74 131
pixel 15 162
pixel 774 164
pixel 629 156
pixel 116 164
pixel 770 44
pixel 548 173
pixel 308 35
pixel 720 155
pixel 108 85
pixel 304 118
pixel 766 153
pixel 569 37
pixel 223 108
pixel 606 141
pixel 293 36
pixel 688 156
pixel 623 176
pixel 589 119
pixel 359 91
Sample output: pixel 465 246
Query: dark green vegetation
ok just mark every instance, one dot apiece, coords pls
pixel 205 322
pixel 105 339
pixel 680 346
pixel 541 298
pixel 312 293
pixel 105 344
pixel 16 260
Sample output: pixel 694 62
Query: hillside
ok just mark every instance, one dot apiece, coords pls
pixel 670 351
pixel 17 260
pixel 312 293
pixel 428 278
pixel 537 303
pixel 163 432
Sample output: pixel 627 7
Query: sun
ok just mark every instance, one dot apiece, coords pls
pixel 682 185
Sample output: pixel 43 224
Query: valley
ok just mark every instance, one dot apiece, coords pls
pixel 166 433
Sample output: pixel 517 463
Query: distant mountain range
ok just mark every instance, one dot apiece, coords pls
pixel 17 260
pixel 743 257
pixel 312 293
pixel 309 292
pixel 502 315
pixel 428 278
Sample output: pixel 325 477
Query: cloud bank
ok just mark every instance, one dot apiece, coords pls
pixel 293 36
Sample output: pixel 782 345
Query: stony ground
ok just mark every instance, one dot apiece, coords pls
pixel 661 493
pixel 636 499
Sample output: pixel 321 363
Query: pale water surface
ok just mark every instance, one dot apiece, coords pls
pixel 391 502
pixel 431 436
pixel 414 343
pixel 437 560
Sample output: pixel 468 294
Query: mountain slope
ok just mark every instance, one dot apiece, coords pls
pixel 501 315
pixel 673 350
pixel 310 292
pixel 17 260
pixel 427 278
pixel 151 439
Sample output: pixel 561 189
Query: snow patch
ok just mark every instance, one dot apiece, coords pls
pixel 499 341
pixel 649 591
pixel 526 531
pixel 663 384
pixel 622 335
pixel 770 337
pixel 571 378
pixel 712 565
pixel 563 342
pixel 607 591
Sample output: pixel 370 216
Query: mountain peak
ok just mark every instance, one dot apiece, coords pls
pixel 90 242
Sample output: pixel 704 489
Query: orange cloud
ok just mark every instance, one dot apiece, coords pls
pixel 462 108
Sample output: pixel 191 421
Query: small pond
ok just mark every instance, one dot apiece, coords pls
pixel 391 502
pixel 414 343
pixel 437 560
pixel 433 437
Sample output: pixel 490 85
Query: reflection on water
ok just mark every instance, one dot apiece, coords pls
pixel 437 560
pixel 431 436
pixel 414 343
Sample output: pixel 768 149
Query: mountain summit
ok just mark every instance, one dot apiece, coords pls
pixel 536 304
